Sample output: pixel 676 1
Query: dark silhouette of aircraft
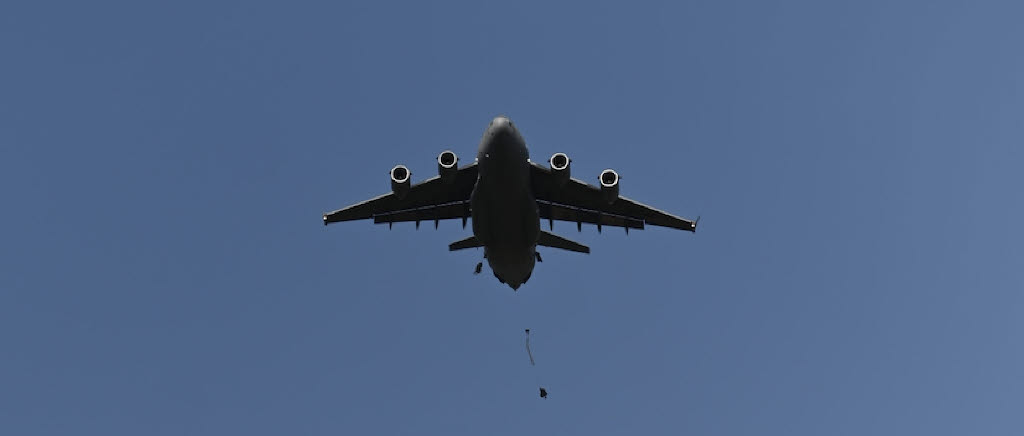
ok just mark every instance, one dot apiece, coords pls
pixel 507 196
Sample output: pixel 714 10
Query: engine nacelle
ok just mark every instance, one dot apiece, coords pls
pixel 400 180
pixel 447 166
pixel 560 168
pixel 609 185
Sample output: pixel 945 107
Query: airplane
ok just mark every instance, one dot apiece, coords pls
pixel 507 196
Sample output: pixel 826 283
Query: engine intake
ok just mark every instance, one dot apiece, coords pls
pixel 400 176
pixel 447 166
pixel 609 185
pixel 560 168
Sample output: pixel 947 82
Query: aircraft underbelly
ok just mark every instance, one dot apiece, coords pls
pixel 506 221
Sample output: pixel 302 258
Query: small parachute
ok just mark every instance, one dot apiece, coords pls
pixel 528 352
pixel 543 392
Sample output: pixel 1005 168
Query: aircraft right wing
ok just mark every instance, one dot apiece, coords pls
pixel 430 200
pixel 583 203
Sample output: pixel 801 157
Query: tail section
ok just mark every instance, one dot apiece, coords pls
pixel 470 242
pixel 546 239
pixel 554 241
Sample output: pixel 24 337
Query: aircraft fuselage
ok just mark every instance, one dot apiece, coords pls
pixel 505 216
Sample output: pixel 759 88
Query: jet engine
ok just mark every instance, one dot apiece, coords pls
pixel 609 185
pixel 560 168
pixel 447 166
pixel 400 176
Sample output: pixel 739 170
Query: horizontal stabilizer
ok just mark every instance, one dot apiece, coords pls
pixel 554 241
pixel 470 242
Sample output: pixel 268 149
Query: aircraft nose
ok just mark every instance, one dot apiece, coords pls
pixel 501 123
pixel 499 138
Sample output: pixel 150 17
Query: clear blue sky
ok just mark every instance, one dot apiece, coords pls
pixel 858 269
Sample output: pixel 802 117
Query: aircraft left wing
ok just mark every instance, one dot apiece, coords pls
pixel 430 200
pixel 578 201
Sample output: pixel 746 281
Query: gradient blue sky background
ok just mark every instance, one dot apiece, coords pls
pixel 164 270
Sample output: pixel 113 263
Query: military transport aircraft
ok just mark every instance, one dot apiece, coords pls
pixel 507 196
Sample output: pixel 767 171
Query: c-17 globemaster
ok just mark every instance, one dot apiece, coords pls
pixel 507 196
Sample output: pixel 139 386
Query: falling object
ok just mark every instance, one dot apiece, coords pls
pixel 528 352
